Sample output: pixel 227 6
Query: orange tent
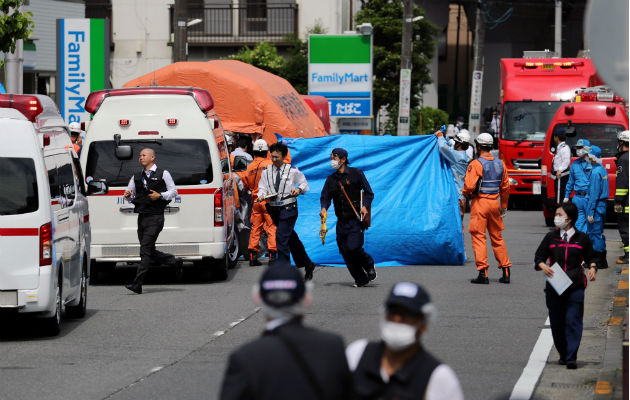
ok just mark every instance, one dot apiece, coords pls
pixel 246 98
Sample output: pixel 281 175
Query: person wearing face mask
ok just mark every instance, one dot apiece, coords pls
pixel 352 196
pixel 621 192
pixel 568 247
pixel 579 178
pixel 398 366
pixel 596 205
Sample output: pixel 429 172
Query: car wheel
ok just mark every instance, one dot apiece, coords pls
pixel 233 253
pixel 79 310
pixel 52 325
pixel 549 221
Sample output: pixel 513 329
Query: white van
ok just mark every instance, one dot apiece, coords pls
pixel 179 124
pixel 44 220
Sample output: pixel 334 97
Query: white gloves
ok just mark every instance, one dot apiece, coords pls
pixel 503 212
pixel 590 219
pixel 566 200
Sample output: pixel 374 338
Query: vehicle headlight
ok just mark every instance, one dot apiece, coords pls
pixel 513 182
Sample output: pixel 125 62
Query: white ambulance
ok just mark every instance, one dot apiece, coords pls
pixel 180 125
pixel 44 220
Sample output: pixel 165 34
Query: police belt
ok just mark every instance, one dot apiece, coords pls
pixel 283 203
pixel 581 193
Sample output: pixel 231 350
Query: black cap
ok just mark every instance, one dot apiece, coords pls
pixel 411 297
pixel 282 285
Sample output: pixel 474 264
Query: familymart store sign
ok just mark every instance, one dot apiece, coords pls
pixel 340 69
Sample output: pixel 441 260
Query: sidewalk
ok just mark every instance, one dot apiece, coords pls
pixel 599 375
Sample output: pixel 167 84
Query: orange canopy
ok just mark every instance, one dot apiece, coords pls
pixel 246 98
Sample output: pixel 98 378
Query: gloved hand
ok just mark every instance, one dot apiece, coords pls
pixel 503 212
pixel 566 200
pixel 590 219
pixel 618 208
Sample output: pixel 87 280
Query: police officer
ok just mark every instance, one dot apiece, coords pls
pixel 621 192
pixel 579 178
pixel 344 188
pixel 596 205
pixel 398 366
pixel 282 184
pixel 290 360
pixel 487 179
pixel 560 164
pixel 150 190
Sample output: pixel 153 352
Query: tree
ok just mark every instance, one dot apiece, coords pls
pixel 264 56
pixel 386 19
pixel 14 25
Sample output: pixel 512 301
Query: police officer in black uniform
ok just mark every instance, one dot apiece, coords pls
pixel 150 190
pixel 344 188
pixel 290 360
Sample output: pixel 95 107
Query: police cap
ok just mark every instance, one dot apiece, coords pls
pixel 411 297
pixel 282 285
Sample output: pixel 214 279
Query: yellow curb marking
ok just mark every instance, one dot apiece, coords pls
pixel 623 285
pixel 603 387
pixel 624 271
pixel 620 301
pixel 615 321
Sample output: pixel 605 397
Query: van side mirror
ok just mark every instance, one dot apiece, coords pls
pixel 124 152
pixel 97 187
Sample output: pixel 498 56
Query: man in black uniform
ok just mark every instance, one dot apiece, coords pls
pixel 344 187
pixel 621 192
pixel 150 190
pixel 290 360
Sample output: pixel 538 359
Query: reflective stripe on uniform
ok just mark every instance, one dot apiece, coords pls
pixel 621 192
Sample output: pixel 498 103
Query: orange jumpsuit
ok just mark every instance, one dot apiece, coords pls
pixel 260 218
pixel 486 214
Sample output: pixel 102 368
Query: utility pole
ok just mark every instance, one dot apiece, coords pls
pixel 180 42
pixel 404 99
pixel 558 29
pixel 14 67
pixel 475 95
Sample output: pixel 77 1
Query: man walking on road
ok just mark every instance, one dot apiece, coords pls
pixel 150 190
pixel 290 360
pixel 486 180
pixel 352 197
pixel 560 164
pixel 282 184
pixel 579 180
pixel 621 192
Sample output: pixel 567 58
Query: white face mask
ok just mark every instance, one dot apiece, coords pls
pixel 560 222
pixel 334 164
pixel 397 336
pixel 579 152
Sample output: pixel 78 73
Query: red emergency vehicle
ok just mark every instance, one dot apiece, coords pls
pixel 587 118
pixel 319 105
pixel 532 90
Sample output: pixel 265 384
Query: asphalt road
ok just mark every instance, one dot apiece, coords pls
pixel 173 341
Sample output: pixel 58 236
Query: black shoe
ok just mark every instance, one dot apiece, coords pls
pixel 272 257
pixel 623 259
pixel 253 260
pixel 506 275
pixel 308 271
pixel 135 288
pixel 360 284
pixel 481 278
pixel 371 274
pixel 572 364
pixel 562 362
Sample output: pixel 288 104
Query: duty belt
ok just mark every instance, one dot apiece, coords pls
pixel 581 193
pixel 281 203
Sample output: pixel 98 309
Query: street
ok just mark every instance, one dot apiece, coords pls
pixel 173 341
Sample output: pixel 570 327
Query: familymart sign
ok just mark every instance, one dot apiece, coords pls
pixel 340 69
pixel 82 64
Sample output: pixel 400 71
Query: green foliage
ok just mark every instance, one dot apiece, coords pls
pixel 386 20
pixel 264 56
pixel 14 25
pixel 295 67
pixel 432 119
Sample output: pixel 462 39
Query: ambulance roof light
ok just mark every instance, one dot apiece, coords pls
pixel 202 97
pixel 27 105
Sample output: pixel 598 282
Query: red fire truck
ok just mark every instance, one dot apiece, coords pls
pixel 532 90
pixel 597 115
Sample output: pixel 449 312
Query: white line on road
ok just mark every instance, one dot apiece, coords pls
pixel 526 384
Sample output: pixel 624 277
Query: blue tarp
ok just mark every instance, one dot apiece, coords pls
pixel 415 213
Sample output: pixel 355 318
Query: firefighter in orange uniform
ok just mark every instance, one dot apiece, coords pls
pixel 260 218
pixel 486 212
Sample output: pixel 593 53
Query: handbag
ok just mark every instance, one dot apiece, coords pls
pixel 365 221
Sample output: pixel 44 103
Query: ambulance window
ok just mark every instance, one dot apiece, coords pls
pixel 66 175
pixel 53 177
pixel 18 192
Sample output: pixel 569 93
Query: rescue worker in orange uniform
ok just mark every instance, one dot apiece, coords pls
pixel 486 212
pixel 75 136
pixel 260 218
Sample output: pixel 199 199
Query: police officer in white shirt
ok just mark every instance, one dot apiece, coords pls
pixel 282 183
pixel 561 163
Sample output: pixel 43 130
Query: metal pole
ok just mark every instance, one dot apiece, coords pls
pixel 180 50
pixel 404 99
pixel 558 29
pixel 475 95
pixel 455 88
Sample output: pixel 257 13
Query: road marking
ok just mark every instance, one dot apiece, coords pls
pixel 526 384
pixel 615 320
pixel 620 301
pixel 156 369
pixel 624 271
pixel 603 387
pixel 622 285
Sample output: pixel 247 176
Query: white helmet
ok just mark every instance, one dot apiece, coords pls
pixel 261 145
pixel 484 139
pixel 623 136
pixel 75 127
pixel 229 140
pixel 463 136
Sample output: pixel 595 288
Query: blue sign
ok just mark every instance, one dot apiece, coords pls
pixel 350 107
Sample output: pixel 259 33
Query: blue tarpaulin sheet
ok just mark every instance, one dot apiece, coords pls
pixel 415 212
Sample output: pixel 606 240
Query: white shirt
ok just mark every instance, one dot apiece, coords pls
pixel 569 233
pixel 240 152
pixel 562 159
pixel 443 383
pixel 171 190
pixel 290 178
pixel 494 125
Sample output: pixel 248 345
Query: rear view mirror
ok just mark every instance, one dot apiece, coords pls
pixel 97 187
pixel 124 152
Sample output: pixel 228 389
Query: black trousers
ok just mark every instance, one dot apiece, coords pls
pixel 566 314
pixel 288 242
pixel 622 226
pixel 563 184
pixel 149 227
pixel 350 242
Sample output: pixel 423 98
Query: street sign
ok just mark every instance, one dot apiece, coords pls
pixel 404 102
pixel 340 69
pixel 82 64
pixel 354 123
pixel 475 103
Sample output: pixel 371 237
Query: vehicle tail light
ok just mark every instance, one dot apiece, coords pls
pixel 45 244
pixel 27 105
pixel 543 174
pixel 124 122
pixel 218 207
pixel 610 111
pixel 46 140
pixel 171 121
